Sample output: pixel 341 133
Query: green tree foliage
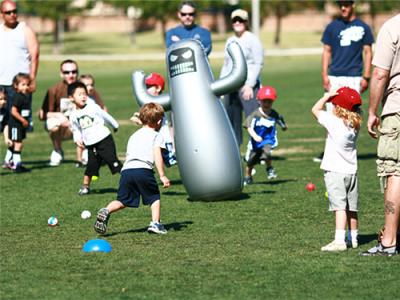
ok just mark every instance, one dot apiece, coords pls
pixel 280 9
pixel 57 11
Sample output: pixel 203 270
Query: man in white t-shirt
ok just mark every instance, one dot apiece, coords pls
pixel 19 51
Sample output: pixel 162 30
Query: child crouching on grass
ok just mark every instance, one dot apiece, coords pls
pixel 340 161
pixel 137 177
pixel 87 122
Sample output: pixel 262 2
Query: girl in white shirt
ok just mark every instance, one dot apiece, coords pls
pixel 340 161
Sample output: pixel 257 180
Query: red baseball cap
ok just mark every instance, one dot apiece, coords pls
pixel 155 79
pixel 347 98
pixel 266 93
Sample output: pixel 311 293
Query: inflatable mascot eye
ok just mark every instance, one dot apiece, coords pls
pixel 181 61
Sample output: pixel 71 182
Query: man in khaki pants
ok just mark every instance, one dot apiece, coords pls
pixel 385 87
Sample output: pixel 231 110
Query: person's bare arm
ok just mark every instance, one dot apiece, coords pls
pixel 254 135
pixel 367 51
pixel 379 81
pixel 319 105
pixel 17 115
pixel 326 58
pixel 159 163
pixel 33 48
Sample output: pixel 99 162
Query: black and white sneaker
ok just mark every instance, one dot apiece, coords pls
pixel 84 190
pixel 100 226
pixel 156 227
pixel 248 180
pixel 380 250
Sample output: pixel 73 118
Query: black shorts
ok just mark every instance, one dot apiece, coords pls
pixel 103 151
pixel 256 155
pixel 17 133
pixel 135 183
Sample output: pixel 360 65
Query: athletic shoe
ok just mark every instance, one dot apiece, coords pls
pixel 354 244
pixel 7 165
pixel 271 173
pixel 84 190
pixel 334 246
pixel 55 158
pixel 318 158
pixel 100 226
pixel 380 250
pixel 79 164
pixel 156 227
pixel 248 180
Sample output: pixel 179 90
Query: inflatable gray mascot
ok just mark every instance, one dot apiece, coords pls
pixel 208 155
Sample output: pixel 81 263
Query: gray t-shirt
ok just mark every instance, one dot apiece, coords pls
pixel 253 52
pixel 140 149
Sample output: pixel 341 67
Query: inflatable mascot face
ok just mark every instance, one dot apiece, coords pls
pixel 208 155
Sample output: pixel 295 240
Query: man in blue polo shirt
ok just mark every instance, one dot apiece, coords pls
pixel 347 53
pixel 346 41
pixel 188 29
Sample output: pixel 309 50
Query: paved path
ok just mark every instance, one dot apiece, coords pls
pixel 161 56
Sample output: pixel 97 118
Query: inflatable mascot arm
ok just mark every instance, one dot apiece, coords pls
pixel 141 94
pixel 235 79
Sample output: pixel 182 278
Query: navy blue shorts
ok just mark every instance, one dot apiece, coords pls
pixel 135 183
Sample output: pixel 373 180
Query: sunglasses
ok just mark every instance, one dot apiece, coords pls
pixel 9 12
pixel 237 19
pixel 187 14
pixel 70 72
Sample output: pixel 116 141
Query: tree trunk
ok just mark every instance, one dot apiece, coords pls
pixel 278 15
pixel 58 36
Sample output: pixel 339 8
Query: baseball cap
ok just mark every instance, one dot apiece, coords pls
pixel 347 98
pixel 240 13
pixel 155 79
pixel 266 93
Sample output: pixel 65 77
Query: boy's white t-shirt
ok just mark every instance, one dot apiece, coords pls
pixel 340 154
pixel 88 124
pixel 140 149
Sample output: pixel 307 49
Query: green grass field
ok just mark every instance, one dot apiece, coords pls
pixel 264 246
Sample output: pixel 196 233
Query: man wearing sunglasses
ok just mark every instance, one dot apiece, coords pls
pixel 19 49
pixel 53 105
pixel 188 29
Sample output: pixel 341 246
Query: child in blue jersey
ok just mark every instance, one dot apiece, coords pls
pixel 261 126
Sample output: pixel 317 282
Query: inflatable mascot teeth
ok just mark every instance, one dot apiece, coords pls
pixel 207 153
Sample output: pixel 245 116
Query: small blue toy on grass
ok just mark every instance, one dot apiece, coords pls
pixel 97 245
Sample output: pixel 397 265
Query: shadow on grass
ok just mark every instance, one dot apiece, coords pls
pixel 176 182
pixel 276 181
pixel 240 197
pixel 172 193
pixel 175 226
pixel 104 191
pixel 366 238
pixel 367 156
pixel 44 164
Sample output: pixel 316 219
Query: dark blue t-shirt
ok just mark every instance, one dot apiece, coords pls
pixel 196 32
pixel 347 40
